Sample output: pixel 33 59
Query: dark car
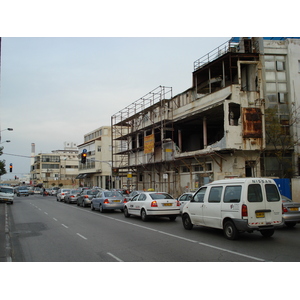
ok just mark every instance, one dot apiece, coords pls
pixel 72 196
pixel 291 212
pixel 85 197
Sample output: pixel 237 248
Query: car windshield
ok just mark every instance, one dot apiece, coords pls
pixel 6 190
pixel 112 194
pixel 158 196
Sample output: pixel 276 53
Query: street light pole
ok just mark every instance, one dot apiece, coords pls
pixel 9 129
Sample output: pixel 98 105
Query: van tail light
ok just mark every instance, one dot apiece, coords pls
pixel 106 201
pixel 154 204
pixel 178 203
pixel 244 210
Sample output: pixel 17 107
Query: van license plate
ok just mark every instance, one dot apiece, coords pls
pixel 260 215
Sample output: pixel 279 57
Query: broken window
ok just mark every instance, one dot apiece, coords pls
pixel 234 114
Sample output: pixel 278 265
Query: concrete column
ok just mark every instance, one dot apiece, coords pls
pixel 204 133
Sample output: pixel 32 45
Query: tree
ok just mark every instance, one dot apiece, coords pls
pixel 2 164
pixel 281 141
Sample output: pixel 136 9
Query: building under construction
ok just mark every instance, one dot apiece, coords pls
pixel 215 129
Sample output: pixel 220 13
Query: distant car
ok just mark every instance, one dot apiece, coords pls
pixel 7 194
pixel 22 191
pixel 132 194
pixel 61 193
pixel 86 196
pixel 37 191
pixel 291 212
pixel 183 199
pixel 54 191
pixel 108 200
pixel 72 196
pixel 148 204
pixel 30 190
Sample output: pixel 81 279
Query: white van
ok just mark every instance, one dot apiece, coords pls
pixel 236 205
pixel 7 194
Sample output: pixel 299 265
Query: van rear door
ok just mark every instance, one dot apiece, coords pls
pixel 264 204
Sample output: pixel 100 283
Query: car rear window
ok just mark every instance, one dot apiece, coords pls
pixel 158 196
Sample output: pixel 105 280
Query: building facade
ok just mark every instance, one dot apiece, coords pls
pixel 60 167
pixel 97 171
pixel 219 128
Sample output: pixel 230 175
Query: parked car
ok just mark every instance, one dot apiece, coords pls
pixel 7 194
pixel 72 196
pixel 30 190
pixel 108 200
pixel 184 198
pixel 149 204
pixel 61 193
pixel 54 191
pixel 235 206
pixel 291 212
pixel 86 196
pixel 22 191
pixel 37 190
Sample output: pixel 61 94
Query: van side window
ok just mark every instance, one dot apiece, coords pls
pixel 199 196
pixel 215 194
pixel 232 194
pixel 272 193
pixel 254 193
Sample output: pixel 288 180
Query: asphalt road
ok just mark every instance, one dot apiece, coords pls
pixel 44 230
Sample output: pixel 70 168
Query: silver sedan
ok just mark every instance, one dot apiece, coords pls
pixel 291 212
pixel 108 200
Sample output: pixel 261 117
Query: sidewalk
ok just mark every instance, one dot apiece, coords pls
pixel 3 254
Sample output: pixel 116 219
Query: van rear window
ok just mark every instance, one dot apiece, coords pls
pixel 254 193
pixel 272 193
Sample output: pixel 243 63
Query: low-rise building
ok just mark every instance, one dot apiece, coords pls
pixel 60 167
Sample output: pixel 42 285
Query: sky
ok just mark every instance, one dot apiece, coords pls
pixel 55 90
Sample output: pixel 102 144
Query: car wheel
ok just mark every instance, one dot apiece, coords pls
pixel 101 209
pixel 186 221
pixel 126 214
pixel 92 206
pixel 267 233
pixel 77 203
pixel 144 215
pixel 230 230
pixel 291 224
pixel 83 204
pixel 172 218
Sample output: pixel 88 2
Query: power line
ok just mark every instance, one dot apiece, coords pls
pixel 18 155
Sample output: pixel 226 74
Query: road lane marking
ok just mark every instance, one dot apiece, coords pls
pixel 55 219
pixel 116 258
pixel 81 236
pixel 182 238
pixel 45 213
pixel 64 225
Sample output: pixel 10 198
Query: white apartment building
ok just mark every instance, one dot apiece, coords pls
pixel 57 167
pixel 97 171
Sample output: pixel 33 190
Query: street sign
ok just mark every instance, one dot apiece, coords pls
pixel 84 151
